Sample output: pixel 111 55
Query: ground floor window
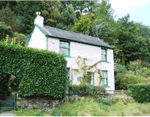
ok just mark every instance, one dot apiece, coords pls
pixel 105 78
pixel 90 80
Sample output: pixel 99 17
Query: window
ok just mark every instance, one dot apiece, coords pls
pixel 79 79
pixel 90 80
pixel 104 55
pixel 105 78
pixel 64 48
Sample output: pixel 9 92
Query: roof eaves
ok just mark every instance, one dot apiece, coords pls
pixel 66 39
pixel 45 32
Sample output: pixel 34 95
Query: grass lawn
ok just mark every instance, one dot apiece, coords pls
pixel 92 108
pixel 89 107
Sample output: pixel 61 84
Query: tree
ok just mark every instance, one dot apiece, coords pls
pixel 104 25
pixel 134 45
pixel 5 30
pixel 80 6
pixel 84 24
pixel 67 18
pixel 15 21
pixel 51 12
pixel 27 10
pixel 6 3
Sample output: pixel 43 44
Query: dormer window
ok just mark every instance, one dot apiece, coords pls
pixel 64 48
pixel 103 55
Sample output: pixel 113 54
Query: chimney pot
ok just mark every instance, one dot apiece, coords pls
pixel 39 19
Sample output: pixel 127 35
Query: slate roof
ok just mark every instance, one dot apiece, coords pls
pixel 51 31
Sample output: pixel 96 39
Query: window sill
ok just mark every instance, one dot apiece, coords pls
pixel 67 56
pixel 106 86
pixel 105 61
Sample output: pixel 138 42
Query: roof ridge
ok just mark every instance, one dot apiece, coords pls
pixel 73 32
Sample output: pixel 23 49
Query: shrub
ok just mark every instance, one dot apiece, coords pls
pixel 41 73
pixel 84 90
pixel 146 64
pixel 122 80
pixel 120 68
pixel 106 101
pixel 145 72
pixel 135 66
pixel 140 92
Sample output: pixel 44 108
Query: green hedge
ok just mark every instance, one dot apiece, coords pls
pixel 84 90
pixel 41 73
pixel 140 92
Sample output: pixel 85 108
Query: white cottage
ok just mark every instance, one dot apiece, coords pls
pixel 72 45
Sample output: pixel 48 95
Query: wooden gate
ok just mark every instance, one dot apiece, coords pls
pixel 8 102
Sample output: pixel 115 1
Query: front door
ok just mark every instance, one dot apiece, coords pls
pixel 68 75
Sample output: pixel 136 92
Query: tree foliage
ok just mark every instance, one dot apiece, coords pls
pixel 51 12
pixel 5 30
pixel 133 45
pixel 11 19
pixel 27 10
pixel 84 24
pixel 67 19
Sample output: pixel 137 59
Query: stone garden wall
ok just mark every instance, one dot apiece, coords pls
pixel 41 102
pixel 38 103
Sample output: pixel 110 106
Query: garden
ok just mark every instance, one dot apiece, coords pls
pixel 41 99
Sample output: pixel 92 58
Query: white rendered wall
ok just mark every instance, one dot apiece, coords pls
pixel 38 39
pixel 92 53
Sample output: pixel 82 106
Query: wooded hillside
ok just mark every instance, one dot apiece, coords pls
pixel 131 40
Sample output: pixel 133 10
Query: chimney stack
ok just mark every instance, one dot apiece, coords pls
pixel 39 19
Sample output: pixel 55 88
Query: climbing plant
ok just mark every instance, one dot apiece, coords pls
pixel 83 68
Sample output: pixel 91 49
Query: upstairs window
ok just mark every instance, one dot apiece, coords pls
pixel 64 48
pixel 104 55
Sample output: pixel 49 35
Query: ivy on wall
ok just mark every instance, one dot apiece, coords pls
pixel 83 68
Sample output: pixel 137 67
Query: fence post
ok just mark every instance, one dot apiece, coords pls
pixel 15 101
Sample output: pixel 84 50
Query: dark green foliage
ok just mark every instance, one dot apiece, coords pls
pixel 4 79
pixel 140 92
pixel 129 33
pixel 67 18
pixel 5 30
pixel 83 90
pixel 120 68
pixel 6 3
pixel 11 19
pixel 27 10
pixel 146 64
pixel 122 80
pixel 51 12
pixel 41 73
